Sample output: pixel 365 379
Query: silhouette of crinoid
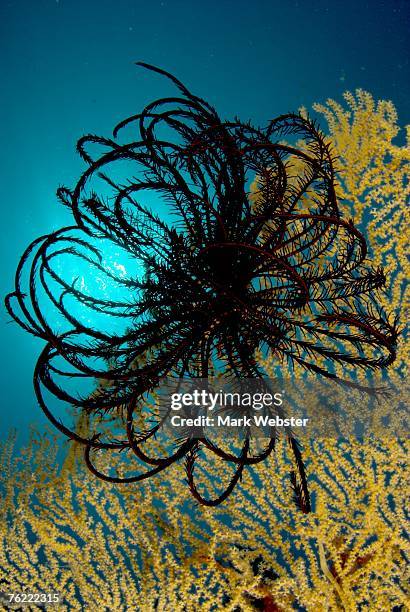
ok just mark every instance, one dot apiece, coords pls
pixel 279 272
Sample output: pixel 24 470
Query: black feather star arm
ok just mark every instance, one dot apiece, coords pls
pixel 230 275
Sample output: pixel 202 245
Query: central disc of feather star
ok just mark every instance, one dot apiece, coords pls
pixel 236 273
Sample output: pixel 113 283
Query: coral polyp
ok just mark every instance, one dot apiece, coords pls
pixel 258 259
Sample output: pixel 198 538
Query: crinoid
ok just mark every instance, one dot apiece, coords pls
pixel 232 275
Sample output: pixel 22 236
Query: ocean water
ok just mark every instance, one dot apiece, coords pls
pixel 68 69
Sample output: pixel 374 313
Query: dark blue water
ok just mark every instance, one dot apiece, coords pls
pixel 67 69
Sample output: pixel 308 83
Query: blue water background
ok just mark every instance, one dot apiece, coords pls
pixel 67 69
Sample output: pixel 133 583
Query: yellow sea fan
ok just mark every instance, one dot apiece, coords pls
pixel 374 186
pixel 103 547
